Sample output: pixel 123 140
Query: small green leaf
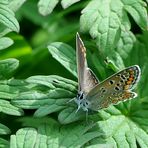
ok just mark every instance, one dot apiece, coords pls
pixel 7 67
pixel 137 9
pixel 5 42
pixel 10 88
pixel 53 82
pixel 69 115
pixel 66 3
pixel 26 136
pixel 7 16
pixel 115 62
pixel 9 109
pixel 19 49
pixel 47 6
pixel 4 143
pixel 3 30
pixel 16 4
pixel 4 129
pixel 65 55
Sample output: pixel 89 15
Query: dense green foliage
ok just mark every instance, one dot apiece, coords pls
pixel 38 72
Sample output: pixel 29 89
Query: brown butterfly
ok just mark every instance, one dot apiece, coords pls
pixel 94 95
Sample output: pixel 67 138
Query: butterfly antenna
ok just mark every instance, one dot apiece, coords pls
pixel 71 100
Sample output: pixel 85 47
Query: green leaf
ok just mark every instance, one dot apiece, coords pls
pixel 46 6
pixel 26 136
pixel 126 43
pixel 50 134
pixel 140 49
pixel 66 3
pixel 102 22
pixel 7 16
pixel 65 55
pixel 122 131
pixel 5 42
pixel 7 108
pixel 16 4
pixel 4 143
pixel 105 22
pixel 7 67
pixel 69 115
pixel 4 129
pixel 19 49
pixel 49 94
pixel 12 87
pixel 137 9
pixel 3 30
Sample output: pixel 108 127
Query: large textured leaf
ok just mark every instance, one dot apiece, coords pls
pixel 51 95
pixel 104 20
pixel 122 131
pixel 51 134
pixel 65 55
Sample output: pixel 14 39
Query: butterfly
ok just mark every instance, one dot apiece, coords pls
pixel 95 95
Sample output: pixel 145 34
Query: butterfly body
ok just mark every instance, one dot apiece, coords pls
pixel 94 95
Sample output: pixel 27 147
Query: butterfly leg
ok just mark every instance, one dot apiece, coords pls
pixel 78 108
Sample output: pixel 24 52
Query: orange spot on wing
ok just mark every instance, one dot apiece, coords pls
pixel 128 82
pixel 131 79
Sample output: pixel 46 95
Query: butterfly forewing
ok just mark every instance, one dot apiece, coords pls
pixel 86 78
pixel 114 89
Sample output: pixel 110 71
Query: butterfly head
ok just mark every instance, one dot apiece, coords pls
pixel 81 101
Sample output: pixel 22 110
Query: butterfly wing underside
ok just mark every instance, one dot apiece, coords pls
pixel 116 88
pixel 86 78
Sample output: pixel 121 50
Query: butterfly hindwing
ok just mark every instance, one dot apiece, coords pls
pixel 116 88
